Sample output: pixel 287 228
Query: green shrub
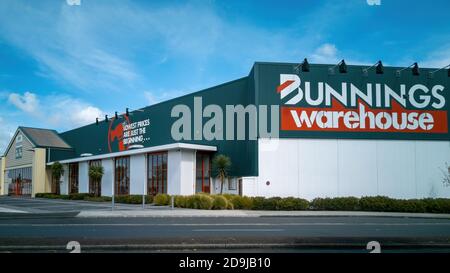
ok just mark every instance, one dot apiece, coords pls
pixel 64 196
pixel 189 202
pixel 377 203
pixel 199 201
pixel 180 201
pixel 292 203
pixel 411 205
pixel 43 195
pixel 161 199
pixel 98 199
pixel 338 203
pixel 219 202
pixel 228 196
pixel 258 203
pixel 261 203
pixel 148 199
pixel 40 195
pixel 438 205
pixel 129 199
pixel 79 196
pixel 241 202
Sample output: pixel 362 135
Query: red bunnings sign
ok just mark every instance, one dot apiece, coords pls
pixel 377 108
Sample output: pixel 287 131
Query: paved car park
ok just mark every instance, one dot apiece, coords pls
pixel 41 205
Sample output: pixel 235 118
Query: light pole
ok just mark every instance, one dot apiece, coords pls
pixel 113 193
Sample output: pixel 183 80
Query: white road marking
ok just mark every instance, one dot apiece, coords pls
pixel 237 229
pixel 224 224
pixel 3 209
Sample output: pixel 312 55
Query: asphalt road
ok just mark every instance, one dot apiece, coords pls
pixel 257 233
pixel 48 225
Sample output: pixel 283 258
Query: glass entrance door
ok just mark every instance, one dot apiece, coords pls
pixel 157 173
pixel 95 188
pixel 203 173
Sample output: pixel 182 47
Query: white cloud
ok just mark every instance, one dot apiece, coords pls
pixel 326 53
pixel 27 102
pixel 6 133
pixel 90 48
pixel 437 59
pixel 161 96
pixel 56 111
pixel 87 115
pixel 67 112
pixel 67 45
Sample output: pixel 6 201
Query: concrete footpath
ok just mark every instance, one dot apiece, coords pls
pixel 177 212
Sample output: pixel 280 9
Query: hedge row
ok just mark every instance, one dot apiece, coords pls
pixel 126 199
pixel 382 203
pixel 376 203
pixel 198 201
pixel 229 201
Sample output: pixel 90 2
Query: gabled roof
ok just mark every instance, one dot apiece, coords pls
pixel 44 138
pixel 40 138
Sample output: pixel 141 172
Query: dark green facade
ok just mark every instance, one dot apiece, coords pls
pixel 258 88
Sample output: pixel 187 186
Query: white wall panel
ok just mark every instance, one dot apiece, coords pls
pixel 312 168
pixel 138 174
pixel 396 169
pixel 250 186
pixel 357 173
pixel 181 172
pixel 108 176
pixel 318 169
pixel 83 177
pixel 64 186
pixel 187 172
pixel 174 171
pixel 431 159
pixel 284 162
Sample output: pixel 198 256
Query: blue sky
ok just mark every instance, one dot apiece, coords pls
pixel 63 65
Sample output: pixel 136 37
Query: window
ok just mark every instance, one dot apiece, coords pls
pixel 232 183
pixel 20 181
pixel 122 175
pixel 157 173
pixel 73 178
pixel 202 171
pixel 95 188
pixel 19 152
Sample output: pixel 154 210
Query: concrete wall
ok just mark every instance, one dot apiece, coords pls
pixel 2 176
pixel 310 168
pixel 83 177
pixel 216 184
pixel 138 174
pixel 181 172
pixel 41 181
pixel 250 186
pixel 64 185
pixel 108 176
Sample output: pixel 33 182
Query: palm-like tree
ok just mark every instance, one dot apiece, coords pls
pixel 221 165
pixel 96 174
pixel 57 172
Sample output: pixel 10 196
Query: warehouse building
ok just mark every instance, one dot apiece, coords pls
pixel 304 130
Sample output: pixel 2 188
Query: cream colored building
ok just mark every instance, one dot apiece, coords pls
pixel 23 168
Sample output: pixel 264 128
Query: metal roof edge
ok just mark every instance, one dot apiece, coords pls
pixel 172 146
